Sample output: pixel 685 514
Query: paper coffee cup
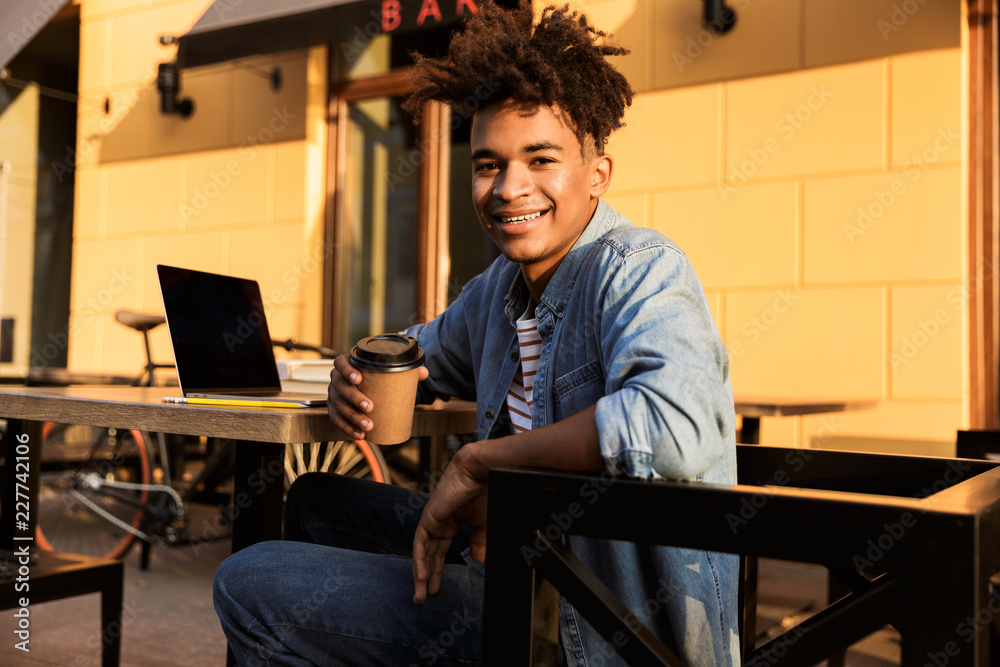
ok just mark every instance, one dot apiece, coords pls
pixel 389 365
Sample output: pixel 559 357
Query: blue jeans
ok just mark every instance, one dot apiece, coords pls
pixel 338 590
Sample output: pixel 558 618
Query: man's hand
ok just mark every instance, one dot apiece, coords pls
pixel 459 497
pixel 347 406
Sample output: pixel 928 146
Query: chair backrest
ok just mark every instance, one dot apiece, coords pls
pixel 978 444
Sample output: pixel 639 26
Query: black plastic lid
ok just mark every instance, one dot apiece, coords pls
pixel 387 353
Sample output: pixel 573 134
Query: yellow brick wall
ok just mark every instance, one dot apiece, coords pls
pixel 816 185
pixel 809 162
pixel 236 188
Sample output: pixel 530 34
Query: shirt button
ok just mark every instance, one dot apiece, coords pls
pixel 513 356
pixel 489 414
pixel 559 309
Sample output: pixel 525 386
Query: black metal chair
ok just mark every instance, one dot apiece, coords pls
pixel 810 506
pixel 984 444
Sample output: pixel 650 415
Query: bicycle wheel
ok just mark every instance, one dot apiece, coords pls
pixel 76 513
pixel 358 458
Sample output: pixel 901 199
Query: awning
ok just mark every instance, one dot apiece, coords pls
pixel 21 21
pixel 229 30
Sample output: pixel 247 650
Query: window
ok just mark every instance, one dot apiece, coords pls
pixel 400 216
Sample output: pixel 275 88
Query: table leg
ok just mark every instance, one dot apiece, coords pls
pixel 750 431
pixel 112 592
pixel 258 490
pixel 949 573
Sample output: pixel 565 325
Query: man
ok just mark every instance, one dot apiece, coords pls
pixel 588 346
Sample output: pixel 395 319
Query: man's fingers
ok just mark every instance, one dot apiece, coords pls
pixel 419 569
pixel 428 565
pixel 348 419
pixel 344 368
pixel 345 404
pixel 434 582
pixel 477 544
pixel 419 582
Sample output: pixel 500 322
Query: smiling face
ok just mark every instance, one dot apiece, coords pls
pixel 533 188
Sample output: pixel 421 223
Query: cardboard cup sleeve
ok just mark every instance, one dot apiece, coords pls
pixel 393 397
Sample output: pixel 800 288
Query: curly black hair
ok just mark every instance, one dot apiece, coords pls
pixel 503 55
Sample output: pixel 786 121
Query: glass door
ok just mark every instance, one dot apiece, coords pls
pixel 380 204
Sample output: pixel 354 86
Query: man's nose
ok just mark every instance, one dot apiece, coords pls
pixel 513 182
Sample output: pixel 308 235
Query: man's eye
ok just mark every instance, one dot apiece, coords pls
pixel 486 166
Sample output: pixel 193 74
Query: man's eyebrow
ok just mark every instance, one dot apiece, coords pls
pixel 484 153
pixel 541 146
pixel 487 153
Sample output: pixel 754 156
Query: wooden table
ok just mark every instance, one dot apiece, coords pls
pixel 261 434
pixel 752 408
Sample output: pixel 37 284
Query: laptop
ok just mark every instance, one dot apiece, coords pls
pixel 222 347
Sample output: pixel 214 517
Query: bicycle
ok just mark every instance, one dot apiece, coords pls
pixel 102 488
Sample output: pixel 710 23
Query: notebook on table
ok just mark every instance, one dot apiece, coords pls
pixel 221 343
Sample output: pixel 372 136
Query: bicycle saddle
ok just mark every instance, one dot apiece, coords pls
pixel 139 321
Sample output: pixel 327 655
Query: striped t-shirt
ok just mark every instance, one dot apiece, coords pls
pixel 521 392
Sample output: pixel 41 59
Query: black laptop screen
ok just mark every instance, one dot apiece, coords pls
pixel 218 331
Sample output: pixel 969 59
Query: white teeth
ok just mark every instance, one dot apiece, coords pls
pixel 521 218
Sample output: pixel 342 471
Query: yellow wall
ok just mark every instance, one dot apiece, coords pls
pixel 19 148
pixel 237 188
pixel 810 165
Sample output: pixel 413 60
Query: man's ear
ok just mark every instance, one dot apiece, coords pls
pixel 600 175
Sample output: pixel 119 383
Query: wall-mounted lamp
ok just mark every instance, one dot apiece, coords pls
pixel 719 18
pixel 168 83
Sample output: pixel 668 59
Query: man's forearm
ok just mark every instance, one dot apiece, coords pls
pixel 572 444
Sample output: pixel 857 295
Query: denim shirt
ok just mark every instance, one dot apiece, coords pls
pixel 624 324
